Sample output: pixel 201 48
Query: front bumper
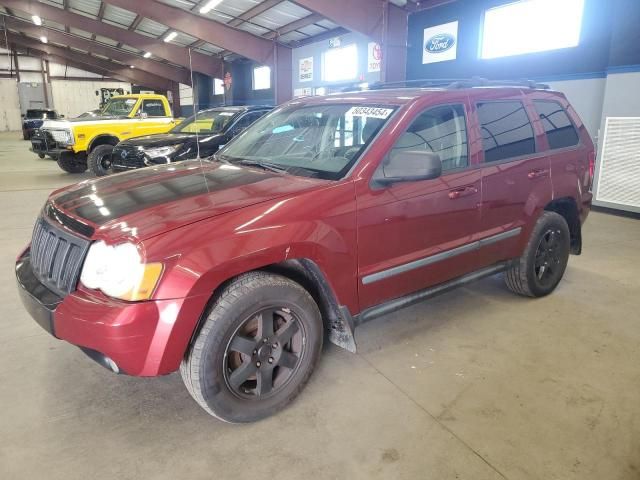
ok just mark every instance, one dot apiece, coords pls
pixel 142 338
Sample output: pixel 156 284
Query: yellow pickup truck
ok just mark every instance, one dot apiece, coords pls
pixel 79 143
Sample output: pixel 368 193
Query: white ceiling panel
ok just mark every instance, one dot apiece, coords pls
pixel 119 15
pixel 92 7
pixel 153 28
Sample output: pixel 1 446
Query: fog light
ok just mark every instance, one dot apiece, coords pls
pixel 112 365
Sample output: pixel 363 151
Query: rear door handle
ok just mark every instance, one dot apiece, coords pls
pixel 538 173
pixel 462 192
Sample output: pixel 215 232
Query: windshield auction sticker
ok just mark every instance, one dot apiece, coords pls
pixel 373 112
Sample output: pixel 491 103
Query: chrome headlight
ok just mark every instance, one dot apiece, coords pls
pixel 63 136
pixel 120 272
pixel 161 151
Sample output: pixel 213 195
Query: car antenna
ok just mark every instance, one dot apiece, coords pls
pixel 195 120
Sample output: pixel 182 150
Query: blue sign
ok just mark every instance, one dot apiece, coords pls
pixel 440 43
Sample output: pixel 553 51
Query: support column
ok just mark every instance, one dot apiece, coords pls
pixel 394 44
pixel 282 74
pixel 44 67
pixel 15 61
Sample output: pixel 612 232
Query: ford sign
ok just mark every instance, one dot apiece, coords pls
pixel 440 43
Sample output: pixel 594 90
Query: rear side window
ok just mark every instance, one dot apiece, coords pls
pixel 560 131
pixel 506 130
pixel 153 108
pixel 440 130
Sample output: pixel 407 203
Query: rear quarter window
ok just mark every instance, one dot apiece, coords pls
pixel 506 130
pixel 561 133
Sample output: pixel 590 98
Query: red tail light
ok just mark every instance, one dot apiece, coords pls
pixel 592 168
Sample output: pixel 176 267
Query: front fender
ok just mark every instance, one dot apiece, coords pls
pixel 318 225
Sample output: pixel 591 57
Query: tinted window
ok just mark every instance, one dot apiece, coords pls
pixel 560 130
pixel 248 119
pixel 153 108
pixel 441 130
pixel 506 130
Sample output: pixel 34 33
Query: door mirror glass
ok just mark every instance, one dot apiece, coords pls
pixel 410 166
pixel 142 115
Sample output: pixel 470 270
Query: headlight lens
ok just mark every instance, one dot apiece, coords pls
pixel 120 272
pixel 64 137
pixel 161 151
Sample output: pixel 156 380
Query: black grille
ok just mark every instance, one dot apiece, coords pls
pixel 126 158
pixel 42 141
pixel 56 257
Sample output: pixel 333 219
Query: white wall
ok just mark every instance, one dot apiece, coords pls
pixel 587 97
pixel 73 97
pixel 10 117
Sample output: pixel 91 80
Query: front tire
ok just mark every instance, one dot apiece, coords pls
pixel 256 350
pixel 100 160
pixel 542 265
pixel 72 163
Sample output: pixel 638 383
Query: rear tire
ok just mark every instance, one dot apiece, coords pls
pixel 100 160
pixel 72 163
pixel 542 265
pixel 256 350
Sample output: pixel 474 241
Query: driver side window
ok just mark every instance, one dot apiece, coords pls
pixel 440 130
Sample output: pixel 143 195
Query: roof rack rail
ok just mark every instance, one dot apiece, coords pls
pixel 456 83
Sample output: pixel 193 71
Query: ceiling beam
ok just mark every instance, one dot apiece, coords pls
pixel 362 16
pixel 34 52
pixel 254 12
pixel 209 65
pixel 290 27
pixel 256 48
pixel 100 15
pixel 122 71
pixel 156 68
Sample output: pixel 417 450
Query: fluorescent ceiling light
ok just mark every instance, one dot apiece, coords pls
pixel 44 39
pixel 36 19
pixel 170 36
pixel 147 55
pixel 210 5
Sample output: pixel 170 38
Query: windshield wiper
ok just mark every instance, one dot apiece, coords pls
pixel 272 167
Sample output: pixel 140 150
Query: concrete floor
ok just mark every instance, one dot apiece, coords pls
pixel 477 384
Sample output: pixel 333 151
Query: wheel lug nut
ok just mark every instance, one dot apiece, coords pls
pixel 255 351
pixel 258 364
pixel 264 340
pixel 270 359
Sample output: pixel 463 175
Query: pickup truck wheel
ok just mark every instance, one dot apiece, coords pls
pixel 542 265
pixel 100 160
pixel 258 346
pixel 72 164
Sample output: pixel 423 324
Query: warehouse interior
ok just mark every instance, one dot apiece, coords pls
pixel 473 383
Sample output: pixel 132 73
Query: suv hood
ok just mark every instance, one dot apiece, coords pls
pixel 150 201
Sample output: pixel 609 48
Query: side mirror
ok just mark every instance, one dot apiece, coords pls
pixel 142 115
pixel 61 116
pixel 409 166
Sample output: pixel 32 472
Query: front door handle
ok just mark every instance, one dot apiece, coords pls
pixel 538 173
pixel 462 192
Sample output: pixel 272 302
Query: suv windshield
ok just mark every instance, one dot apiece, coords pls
pixel 119 107
pixel 209 122
pixel 321 141
pixel 44 114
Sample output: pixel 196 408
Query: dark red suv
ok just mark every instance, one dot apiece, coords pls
pixel 327 212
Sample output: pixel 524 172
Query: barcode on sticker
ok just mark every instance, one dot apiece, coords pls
pixel 373 112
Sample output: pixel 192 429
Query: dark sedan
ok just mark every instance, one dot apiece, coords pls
pixel 203 133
